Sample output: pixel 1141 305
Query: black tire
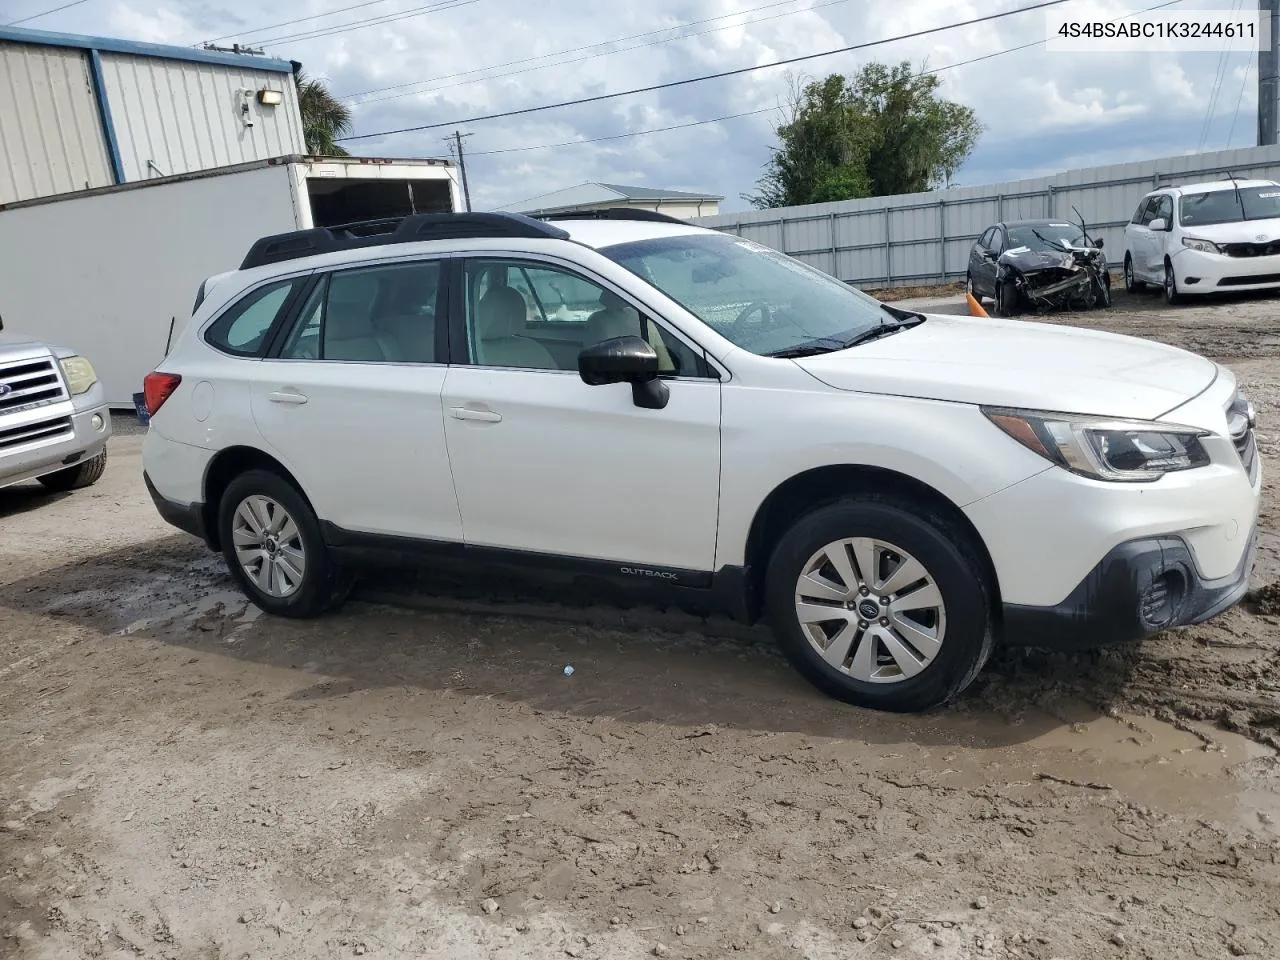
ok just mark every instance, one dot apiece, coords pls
pixel 970 289
pixel 1104 292
pixel 1006 299
pixel 84 474
pixel 323 586
pixel 947 555
pixel 1131 283
pixel 1171 295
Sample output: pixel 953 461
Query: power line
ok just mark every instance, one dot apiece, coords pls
pixel 753 113
pixel 1239 99
pixel 587 47
pixel 715 76
pixel 287 23
pixel 1219 75
pixel 622 136
pixel 37 16
pixel 369 22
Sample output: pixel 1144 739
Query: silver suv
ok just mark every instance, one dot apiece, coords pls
pixel 54 421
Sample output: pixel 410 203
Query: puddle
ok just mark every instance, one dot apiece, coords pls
pixel 1194 770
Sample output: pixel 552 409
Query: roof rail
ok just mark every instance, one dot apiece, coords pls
pixel 415 228
pixel 614 213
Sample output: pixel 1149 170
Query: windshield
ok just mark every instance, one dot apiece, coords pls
pixel 755 297
pixel 1222 206
pixel 1043 237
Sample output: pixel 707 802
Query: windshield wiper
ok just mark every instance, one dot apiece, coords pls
pixel 810 348
pixel 830 344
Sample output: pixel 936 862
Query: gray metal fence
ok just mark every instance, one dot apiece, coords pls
pixel 925 238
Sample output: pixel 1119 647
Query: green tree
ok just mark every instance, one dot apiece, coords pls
pixel 824 143
pixel 324 117
pixel 884 132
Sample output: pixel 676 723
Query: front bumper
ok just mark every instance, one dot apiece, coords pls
pixel 1198 272
pixel 1140 588
pixel 62 437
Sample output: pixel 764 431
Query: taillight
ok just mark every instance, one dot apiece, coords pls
pixel 158 387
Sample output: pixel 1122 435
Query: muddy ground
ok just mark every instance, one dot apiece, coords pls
pixel 181 778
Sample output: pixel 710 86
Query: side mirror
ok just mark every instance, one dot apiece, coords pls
pixel 1156 224
pixel 1098 243
pixel 625 360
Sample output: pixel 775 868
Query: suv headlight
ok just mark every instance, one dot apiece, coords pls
pixel 1105 449
pixel 1204 246
pixel 80 375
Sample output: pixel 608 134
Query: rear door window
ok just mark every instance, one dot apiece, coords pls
pixel 382 314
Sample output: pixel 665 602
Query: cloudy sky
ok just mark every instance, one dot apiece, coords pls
pixel 415 62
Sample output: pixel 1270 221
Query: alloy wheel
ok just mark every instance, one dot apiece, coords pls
pixel 268 546
pixel 870 610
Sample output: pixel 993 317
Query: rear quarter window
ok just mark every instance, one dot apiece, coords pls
pixel 242 329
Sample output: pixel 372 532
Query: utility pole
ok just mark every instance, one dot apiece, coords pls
pixel 462 163
pixel 1268 74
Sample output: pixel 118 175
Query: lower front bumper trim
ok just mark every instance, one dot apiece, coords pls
pixel 1138 589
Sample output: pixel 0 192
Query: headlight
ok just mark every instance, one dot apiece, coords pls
pixel 1204 246
pixel 1102 449
pixel 80 375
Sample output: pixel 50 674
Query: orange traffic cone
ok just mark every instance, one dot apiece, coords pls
pixel 975 308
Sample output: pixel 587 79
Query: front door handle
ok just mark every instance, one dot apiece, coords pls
pixel 285 396
pixel 470 413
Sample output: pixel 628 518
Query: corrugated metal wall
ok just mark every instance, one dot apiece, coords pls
pixel 51 138
pixel 924 238
pixel 174 117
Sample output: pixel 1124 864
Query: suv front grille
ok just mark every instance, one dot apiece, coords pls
pixel 30 383
pixel 42 431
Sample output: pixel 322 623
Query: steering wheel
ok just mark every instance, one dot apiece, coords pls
pixel 760 307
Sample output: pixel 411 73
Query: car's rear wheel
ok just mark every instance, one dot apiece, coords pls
pixel 84 474
pixel 970 289
pixel 1131 283
pixel 880 603
pixel 273 547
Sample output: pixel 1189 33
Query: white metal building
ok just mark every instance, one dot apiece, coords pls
pixel 601 196
pixel 82 112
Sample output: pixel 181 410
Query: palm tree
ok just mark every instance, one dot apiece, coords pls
pixel 324 117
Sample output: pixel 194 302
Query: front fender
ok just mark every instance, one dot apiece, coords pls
pixel 950 447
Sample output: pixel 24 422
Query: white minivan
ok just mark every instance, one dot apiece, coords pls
pixel 1205 238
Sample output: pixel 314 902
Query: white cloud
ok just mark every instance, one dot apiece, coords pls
pixel 1042 111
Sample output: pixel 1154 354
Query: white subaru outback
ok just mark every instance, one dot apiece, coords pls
pixel 630 395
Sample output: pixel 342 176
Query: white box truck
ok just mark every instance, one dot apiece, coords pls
pixel 112 272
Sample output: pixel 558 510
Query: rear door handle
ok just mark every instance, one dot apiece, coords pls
pixel 470 413
pixel 284 396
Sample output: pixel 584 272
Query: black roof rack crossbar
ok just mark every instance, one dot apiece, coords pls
pixel 416 228
pixel 614 213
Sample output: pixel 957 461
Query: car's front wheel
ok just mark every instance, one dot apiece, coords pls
pixel 881 603
pixel 82 475
pixel 1131 283
pixel 1006 299
pixel 1171 294
pixel 273 547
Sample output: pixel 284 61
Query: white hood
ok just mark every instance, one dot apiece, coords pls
pixel 1020 364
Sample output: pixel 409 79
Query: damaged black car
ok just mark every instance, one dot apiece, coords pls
pixel 1038 266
